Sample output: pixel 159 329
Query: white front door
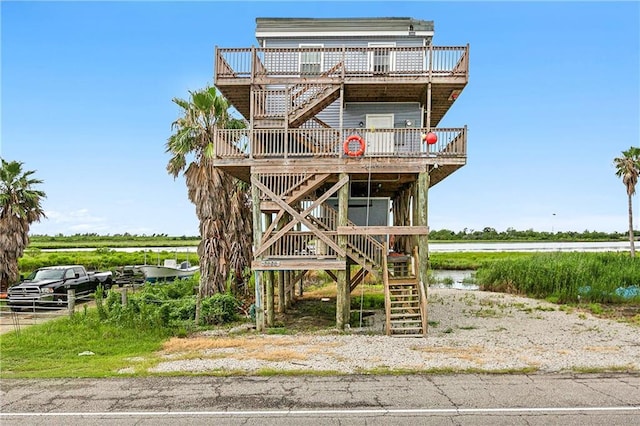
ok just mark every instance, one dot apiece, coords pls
pixel 378 140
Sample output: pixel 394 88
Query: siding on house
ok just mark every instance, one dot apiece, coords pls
pixel 354 113
pixel 338 42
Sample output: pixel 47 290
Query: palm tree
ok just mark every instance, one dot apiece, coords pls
pixel 19 208
pixel 221 202
pixel 628 168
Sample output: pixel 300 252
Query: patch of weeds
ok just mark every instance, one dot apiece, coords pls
pixel 448 330
pixel 433 323
pixel 448 281
pixel 467 327
pixel 499 329
pixel 469 299
pixel 269 372
pixel 487 313
pixel 566 308
pixel 453 370
pixel 595 308
pixel 609 369
pixel 552 299
pixel 545 308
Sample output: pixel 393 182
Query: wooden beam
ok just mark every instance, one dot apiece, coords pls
pixel 343 288
pixel 257 230
pixel 423 241
pixel 333 276
pixel 382 230
pixel 297 264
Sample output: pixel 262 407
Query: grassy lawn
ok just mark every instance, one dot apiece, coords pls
pixel 52 349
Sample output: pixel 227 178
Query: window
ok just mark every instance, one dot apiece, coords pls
pixel 381 57
pixel 311 59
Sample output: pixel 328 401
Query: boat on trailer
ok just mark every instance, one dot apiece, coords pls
pixel 168 271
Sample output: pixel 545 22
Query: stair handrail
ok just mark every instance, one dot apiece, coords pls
pixel 376 253
pixel 387 292
pixel 422 291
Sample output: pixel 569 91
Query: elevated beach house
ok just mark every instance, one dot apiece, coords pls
pixel 342 146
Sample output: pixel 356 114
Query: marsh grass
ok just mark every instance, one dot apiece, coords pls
pixel 563 277
pixel 100 259
pixel 112 241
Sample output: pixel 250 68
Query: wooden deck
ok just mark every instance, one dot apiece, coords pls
pixel 446 69
pixel 392 166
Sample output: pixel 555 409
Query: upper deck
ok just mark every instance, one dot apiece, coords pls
pixel 381 74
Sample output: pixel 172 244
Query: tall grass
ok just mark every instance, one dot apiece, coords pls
pixel 469 260
pixel 565 277
pixel 99 241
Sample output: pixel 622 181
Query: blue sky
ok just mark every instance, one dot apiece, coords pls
pixel 553 97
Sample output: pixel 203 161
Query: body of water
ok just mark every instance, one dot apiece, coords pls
pixel 529 246
pixel 437 247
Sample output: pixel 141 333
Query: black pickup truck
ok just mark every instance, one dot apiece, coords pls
pixel 48 286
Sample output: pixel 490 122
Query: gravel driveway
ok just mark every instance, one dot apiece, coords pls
pixel 469 331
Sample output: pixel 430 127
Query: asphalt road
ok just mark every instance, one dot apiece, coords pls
pixel 470 399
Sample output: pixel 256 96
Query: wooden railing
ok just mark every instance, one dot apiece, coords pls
pixel 367 247
pixel 387 292
pixel 328 142
pixel 422 291
pixel 300 244
pixel 340 62
pixel 283 184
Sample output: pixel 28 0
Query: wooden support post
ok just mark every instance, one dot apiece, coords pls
pixel 301 285
pixel 342 297
pixel 414 212
pixel 124 296
pixel 423 240
pixel 282 297
pixel 269 299
pixel 428 123
pixel 279 279
pixel 292 288
pixel 285 285
pixel 269 283
pixel 71 300
pixel 257 236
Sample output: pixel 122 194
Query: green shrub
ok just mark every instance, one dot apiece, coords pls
pixel 369 301
pixel 220 308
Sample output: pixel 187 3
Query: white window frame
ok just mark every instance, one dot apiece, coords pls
pixel 392 55
pixel 300 54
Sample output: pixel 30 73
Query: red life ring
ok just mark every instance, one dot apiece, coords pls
pixel 354 138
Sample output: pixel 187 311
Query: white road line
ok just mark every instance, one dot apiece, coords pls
pixel 421 411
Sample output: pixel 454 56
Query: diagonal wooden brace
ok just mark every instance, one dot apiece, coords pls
pixel 299 217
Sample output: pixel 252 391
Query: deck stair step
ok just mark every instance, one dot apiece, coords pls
pixel 405 316
pixel 315 101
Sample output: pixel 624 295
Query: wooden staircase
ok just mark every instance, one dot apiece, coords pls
pixel 307 100
pixel 405 302
pixel 364 250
